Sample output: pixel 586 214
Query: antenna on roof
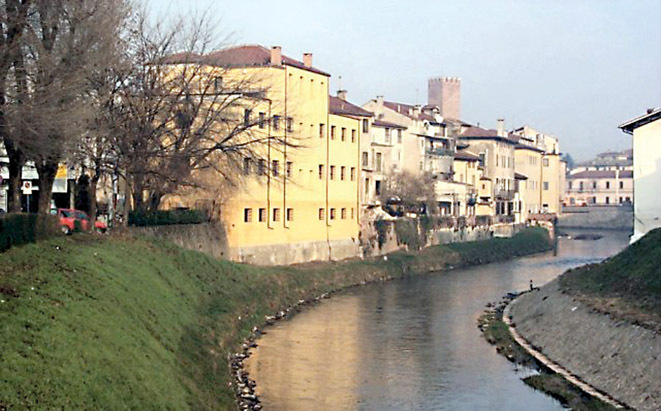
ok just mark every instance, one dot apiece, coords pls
pixel 339 83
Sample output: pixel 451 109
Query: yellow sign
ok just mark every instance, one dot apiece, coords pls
pixel 61 171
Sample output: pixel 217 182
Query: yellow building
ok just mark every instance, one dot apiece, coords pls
pixel 467 171
pixel 528 162
pixel 298 198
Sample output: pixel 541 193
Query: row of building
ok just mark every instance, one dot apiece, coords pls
pixel 306 194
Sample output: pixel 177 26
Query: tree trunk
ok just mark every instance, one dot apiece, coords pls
pixel 94 181
pixel 16 162
pixel 47 170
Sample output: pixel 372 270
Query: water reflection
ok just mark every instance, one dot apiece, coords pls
pixel 409 344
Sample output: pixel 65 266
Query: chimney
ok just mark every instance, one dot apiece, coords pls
pixel 501 127
pixel 342 94
pixel 307 59
pixel 417 109
pixel 379 101
pixel 276 56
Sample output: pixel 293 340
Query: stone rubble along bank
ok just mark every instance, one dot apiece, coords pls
pixel 616 357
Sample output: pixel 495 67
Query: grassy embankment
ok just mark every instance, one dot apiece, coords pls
pixel 89 322
pixel 626 286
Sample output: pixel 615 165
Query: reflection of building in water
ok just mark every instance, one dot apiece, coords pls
pixel 312 367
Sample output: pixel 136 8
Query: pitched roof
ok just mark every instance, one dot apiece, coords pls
pixel 464 155
pixel 238 56
pixel 343 107
pixel 601 174
pixel 380 123
pixel 473 132
pixel 631 125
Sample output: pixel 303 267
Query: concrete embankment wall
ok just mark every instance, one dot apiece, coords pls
pixel 616 357
pixel 602 217
pixel 208 238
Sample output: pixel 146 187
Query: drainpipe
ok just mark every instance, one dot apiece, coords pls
pixel 328 168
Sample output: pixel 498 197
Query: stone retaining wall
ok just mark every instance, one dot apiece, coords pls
pixel 603 217
pixel 208 238
pixel 616 357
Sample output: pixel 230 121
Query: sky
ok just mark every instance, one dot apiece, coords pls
pixel 571 68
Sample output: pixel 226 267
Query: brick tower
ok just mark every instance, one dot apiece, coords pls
pixel 445 92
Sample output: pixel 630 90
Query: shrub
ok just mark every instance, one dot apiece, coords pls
pixel 20 228
pixel 382 227
pixel 408 234
pixel 165 217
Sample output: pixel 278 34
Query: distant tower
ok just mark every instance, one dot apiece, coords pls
pixel 445 92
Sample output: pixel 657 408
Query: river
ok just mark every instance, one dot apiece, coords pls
pixel 410 343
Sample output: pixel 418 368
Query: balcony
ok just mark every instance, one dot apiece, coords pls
pixel 439 152
pixel 504 194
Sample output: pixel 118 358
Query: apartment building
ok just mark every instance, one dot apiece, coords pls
pixel 646 132
pixel 528 163
pixel 298 200
pixel 496 151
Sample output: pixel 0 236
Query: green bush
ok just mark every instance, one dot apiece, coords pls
pixel 21 228
pixel 408 233
pixel 382 227
pixel 165 217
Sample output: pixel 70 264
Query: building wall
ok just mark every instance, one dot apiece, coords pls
pixel 445 93
pixel 552 191
pixel 598 191
pixel 529 163
pixel 647 178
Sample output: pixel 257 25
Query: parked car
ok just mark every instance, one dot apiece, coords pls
pixel 69 216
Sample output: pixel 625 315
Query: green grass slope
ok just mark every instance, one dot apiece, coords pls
pixel 627 285
pixel 90 322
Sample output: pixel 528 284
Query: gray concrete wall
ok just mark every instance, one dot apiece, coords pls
pixel 283 254
pixel 603 217
pixel 208 238
pixel 616 357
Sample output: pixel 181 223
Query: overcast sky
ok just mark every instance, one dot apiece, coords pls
pixel 572 68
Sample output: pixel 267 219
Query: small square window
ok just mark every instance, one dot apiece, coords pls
pixel 343 136
pixel 262 215
pixel 343 170
pixel 288 169
pixel 276 123
pixel 290 124
pixel 343 213
pixel 290 214
pixel 353 136
pixel 332 214
pixel 332 172
pixel 332 132
pixel 352 212
pixel 262 120
pixel 275 168
pixel 247 215
pixel 276 214
pixel 353 173
pixel 321 171
pixel 261 167
pixel 321 130
pixel 322 214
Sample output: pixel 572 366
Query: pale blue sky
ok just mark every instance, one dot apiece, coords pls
pixel 575 69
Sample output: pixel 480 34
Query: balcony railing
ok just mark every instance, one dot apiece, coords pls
pixel 503 193
pixel 439 151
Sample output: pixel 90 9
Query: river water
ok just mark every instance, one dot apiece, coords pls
pixel 411 343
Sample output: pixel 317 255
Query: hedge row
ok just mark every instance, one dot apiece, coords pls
pixel 165 217
pixel 20 228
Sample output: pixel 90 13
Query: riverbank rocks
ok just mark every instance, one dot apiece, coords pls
pixel 619 358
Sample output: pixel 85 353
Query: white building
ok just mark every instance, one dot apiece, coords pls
pixel 646 131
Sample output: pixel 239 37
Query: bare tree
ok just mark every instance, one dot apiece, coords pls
pixel 179 115
pixel 411 191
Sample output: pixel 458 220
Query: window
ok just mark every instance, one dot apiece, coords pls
pixel 261 167
pixel 378 161
pixel 332 132
pixel 377 187
pixel 343 135
pixel 321 171
pixel 332 172
pixel 366 126
pixel 262 215
pixel 608 200
pixel 546 186
pixel 594 184
pixel 353 136
pixel 332 214
pixel 353 173
pixel 246 117
pixel 343 213
pixel 262 120
pixel 275 168
pixel 352 212
pixel 621 184
pixel 399 136
pixel 321 130
pixel 545 162
pixel 276 214
pixel 365 159
pixel 388 135
pixel 322 214
pixel 290 214
pixel 288 169
pixel 246 166
pixel 367 186
pixel 343 172
pixel 290 124
pixel 247 215
pixel 276 122
pixel 570 184
pixel 608 185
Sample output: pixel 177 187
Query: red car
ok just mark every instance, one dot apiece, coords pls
pixel 68 216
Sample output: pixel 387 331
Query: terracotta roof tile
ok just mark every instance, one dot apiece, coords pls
pixel 380 123
pixel 343 107
pixel 466 156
